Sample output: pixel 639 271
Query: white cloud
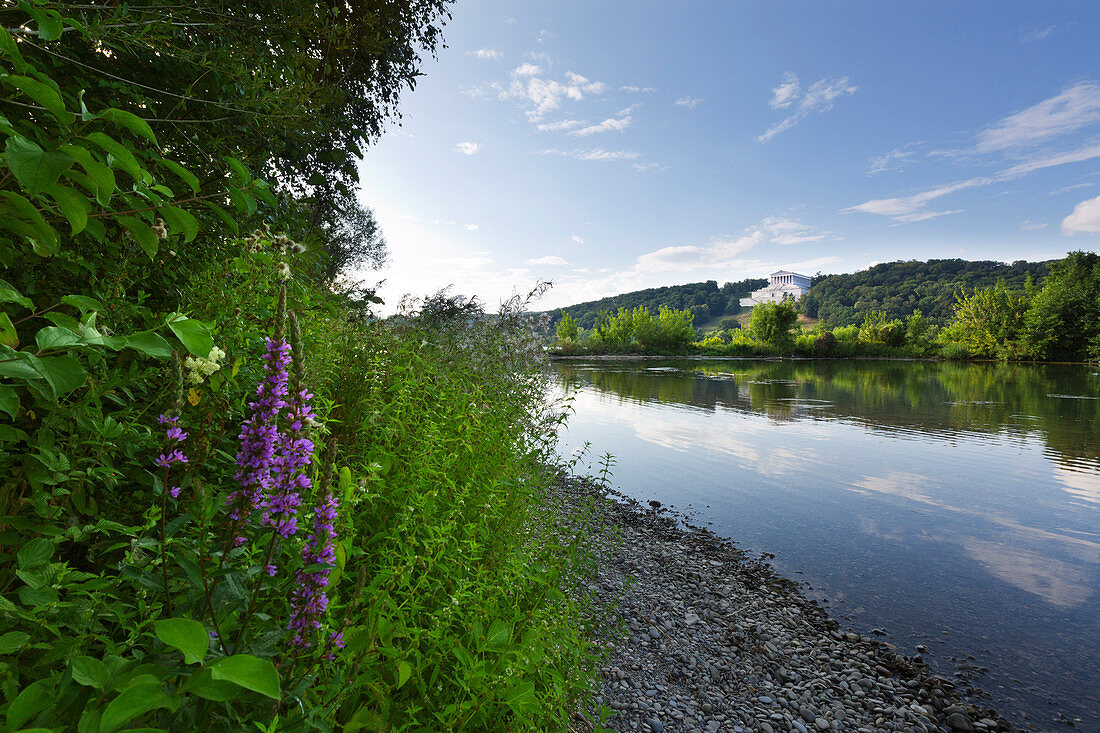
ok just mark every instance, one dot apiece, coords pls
pixel 1027 225
pixel 1037 35
pixel 486 54
pixel 541 95
pixel 1076 107
pixel 467 148
pixel 911 208
pixel 781 230
pixel 1085 218
pixel 598 155
pixel 549 260
pixel 577 239
pixel 786 93
pixel 1074 187
pixel 818 97
pixel 643 167
pixel 611 123
pixel 559 125
pixel 631 89
pixel 895 160
pixel 689 102
pixel 543 36
pixel 472 227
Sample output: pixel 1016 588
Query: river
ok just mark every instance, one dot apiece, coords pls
pixel 953 506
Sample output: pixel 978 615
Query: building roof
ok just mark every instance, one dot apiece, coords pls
pixel 788 272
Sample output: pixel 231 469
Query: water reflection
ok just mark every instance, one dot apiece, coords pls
pixel 923 497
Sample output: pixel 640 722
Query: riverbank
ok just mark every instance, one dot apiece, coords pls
pixel 709 639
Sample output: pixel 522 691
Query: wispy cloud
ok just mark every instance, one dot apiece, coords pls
pixel 781 230
pixel 689 102
pixel 598 155
pixel 617 124
pixel 486 54
pixel 549 260
pixel 1075 108
pixel 467 148
pixel 541 95
pixel 631 89
pixel 1027 225
pixel 818 97
pixel 895 160
pixel 643 167
pixel 1021 141
pixel 472 227
pixel 1085 218
pixel 559 126
pixel 577 239
pixel 1037 34
pixel 1074 187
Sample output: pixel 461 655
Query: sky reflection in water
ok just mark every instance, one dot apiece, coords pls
pixel 954 505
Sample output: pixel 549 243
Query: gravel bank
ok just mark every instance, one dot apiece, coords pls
pixel 704 638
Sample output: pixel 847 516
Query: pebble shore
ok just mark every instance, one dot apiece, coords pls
pixel 703 638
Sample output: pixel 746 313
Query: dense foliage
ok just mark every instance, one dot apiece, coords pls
pixel 629 331
pixel 230 498
pixel 897 289
pixel 706 301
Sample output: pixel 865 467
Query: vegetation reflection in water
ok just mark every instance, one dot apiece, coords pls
pixel 1059 401
pixel 935 498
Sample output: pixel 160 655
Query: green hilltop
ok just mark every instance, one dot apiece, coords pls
pixel 895 288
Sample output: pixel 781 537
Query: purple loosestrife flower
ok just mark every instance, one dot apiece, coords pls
pixel 174 492
pixel 260 436
pixel 308 599
pixel 170 459
pixel 287 480
pixel 176 434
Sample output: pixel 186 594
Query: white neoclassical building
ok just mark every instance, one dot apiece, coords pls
pixel 782 285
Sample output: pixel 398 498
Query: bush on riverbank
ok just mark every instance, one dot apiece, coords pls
pixel 230 497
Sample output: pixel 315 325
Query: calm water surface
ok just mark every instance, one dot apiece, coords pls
pixel 951 505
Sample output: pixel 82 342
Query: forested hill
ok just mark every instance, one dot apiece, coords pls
pixel 899 288
pixel 706 300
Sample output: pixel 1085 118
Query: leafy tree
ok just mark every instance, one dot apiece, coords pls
pixel 567 329
pixel 773 324
pixel 878 329
pixel 988 322
pixel 1063 321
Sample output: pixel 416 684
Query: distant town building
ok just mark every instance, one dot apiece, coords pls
pixel 781 286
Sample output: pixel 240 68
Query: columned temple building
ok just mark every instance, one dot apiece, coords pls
pixel 781 286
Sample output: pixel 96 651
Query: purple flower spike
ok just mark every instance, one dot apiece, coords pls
pixel 260 437
pixel 294 455
pixel 308 600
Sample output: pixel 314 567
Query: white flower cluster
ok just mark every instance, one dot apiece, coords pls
pixel 198 368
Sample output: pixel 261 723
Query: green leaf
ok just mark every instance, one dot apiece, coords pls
pixel 36 169
pixel 194 334
pixel 150 343
pixel 180 221
pixel 225 216
pixel 133 702
pixel 498 636
pixel 131 122
pixel 238 168
pixel 404 672
pixel 91 672
pixel 188 636
pixel 520 696
pixel 54 337
pixel 101 175
pixel 83 303
pixel 251 673
pixel 8 294
pixel 13 641
pixel 8 335
pixel 72 204
pixel 64 373
pixel 9 400
pixel 244 202
pixel 203 685
pixel 34 553
pixel 141 232
pixel 49 22
pixel 20 216
pixel 9 50
pixel 120 155
pixel 182 173
pixel 34 699
pixel 44 94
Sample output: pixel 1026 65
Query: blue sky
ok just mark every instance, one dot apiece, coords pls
pixel 610 146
